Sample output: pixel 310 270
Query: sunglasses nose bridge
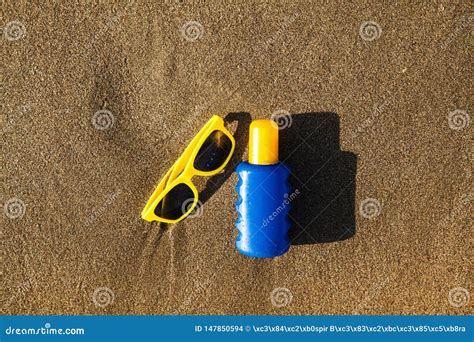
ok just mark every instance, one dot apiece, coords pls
pixel 188 173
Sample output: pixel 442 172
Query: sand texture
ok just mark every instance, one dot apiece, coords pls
pixel 99 98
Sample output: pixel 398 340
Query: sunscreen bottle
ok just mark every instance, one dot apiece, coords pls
pixel 263 189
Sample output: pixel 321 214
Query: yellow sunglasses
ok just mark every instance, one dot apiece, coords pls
pixel 175 197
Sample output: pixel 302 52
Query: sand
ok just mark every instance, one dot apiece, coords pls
pixel 99 99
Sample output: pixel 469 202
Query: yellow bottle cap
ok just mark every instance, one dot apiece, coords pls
pixel 263 142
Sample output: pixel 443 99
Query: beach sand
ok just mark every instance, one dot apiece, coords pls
pixel 99 99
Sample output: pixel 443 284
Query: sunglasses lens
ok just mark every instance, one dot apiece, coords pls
pixel 213 152
pixel 175 203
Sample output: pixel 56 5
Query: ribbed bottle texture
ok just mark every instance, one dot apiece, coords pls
pixel 263 208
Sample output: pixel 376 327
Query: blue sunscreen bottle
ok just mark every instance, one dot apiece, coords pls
pixel 263 189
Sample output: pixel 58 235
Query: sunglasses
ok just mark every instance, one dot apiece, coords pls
pixel 176 196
